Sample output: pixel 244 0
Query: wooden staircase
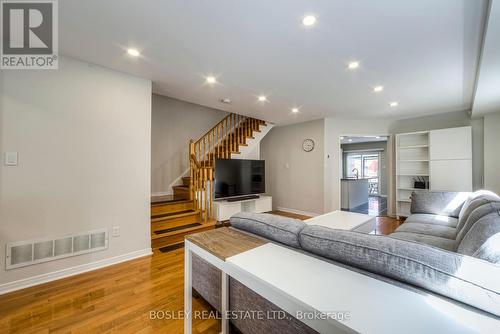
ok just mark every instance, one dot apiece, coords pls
pixel 189 209
pixel 172 218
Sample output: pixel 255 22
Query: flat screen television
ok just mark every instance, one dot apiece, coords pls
pixel 235 177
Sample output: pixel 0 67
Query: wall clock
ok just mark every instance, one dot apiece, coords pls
pixel 308 145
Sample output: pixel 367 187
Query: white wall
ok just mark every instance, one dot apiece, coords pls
pixel 431 122
pixel 294 177
pixel 492 152
pixel 83 134
pixel 174 123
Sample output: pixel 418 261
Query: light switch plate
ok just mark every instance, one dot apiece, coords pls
pixel 10 159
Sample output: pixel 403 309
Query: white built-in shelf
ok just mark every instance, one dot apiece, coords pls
pixel 413 161
pixel 413 146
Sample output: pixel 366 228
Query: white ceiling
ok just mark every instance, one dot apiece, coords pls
pixel 424 52
pixel 487 97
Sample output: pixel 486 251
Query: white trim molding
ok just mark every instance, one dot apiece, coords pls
pixel 55 275
pixel 298 212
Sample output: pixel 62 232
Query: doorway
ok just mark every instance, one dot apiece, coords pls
pixel 364 178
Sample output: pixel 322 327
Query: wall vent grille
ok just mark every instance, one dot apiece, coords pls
pixel 30 252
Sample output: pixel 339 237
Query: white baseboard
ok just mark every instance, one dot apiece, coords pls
pixel 55 275
pixel 299 212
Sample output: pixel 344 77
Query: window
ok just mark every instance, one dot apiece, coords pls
pixel 353 161
pixel 366 165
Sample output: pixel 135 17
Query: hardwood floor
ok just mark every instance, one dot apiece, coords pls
pixel 387 225
pixel 116 299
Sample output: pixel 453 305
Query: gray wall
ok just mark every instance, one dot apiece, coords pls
pixel 492 152
pixel 384 171
pixel 294 177
pixel 83 133
pixel 174 123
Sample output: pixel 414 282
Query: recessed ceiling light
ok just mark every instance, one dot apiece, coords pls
pixel 309 20
pixel 353 65
pixel 211 80
pixel 262 98
pixel 349 140
pixel 394 104
pixel 133 52
pixel 378 137
pixel 295 110
pixel 342 138
pixel 378 89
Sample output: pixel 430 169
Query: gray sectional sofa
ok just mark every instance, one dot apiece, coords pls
pixel 449 246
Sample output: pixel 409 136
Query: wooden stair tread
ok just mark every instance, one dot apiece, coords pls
pixel 186 180
pixel 159 200
pixel 175 228
pixel 210 223
pixel 173 222
pixel 174 215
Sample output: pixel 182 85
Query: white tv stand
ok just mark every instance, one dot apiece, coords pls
pixel 223 210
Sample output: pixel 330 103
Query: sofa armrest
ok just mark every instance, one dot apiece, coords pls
pixel 438 202
pixel 466 279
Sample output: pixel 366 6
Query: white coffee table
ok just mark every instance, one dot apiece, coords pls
pixel 343 220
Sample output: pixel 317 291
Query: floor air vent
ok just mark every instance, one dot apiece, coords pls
pixel 30 252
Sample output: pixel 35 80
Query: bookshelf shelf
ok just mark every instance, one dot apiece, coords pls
pixel 412 164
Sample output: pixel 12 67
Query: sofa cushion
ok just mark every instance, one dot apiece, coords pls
pixel 474 201
pixel 438 202
pixel 278 228
pixel 429 229
pixel 425 218
pixel 450 274
pixel 431 240
pixel 482 240
pixel 474 216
